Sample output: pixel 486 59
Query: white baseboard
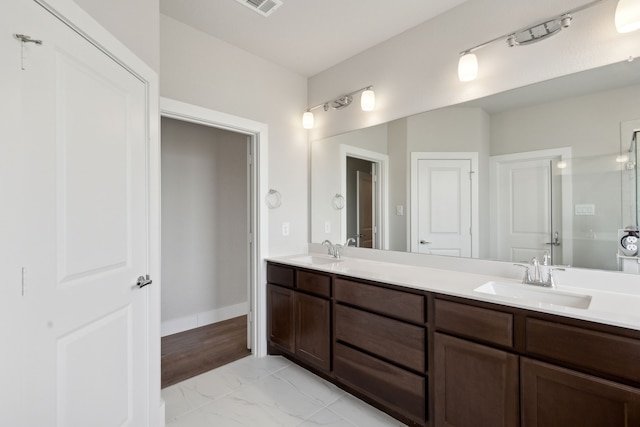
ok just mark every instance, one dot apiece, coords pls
pixel 181 324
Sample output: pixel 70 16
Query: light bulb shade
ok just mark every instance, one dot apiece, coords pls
pixel 368 100
pixel 307 120
pixel 627 16
pixel 468 67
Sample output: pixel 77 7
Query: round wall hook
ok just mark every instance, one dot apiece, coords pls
pixel 274 199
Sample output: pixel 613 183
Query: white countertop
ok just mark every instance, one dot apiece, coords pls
pixel 607 307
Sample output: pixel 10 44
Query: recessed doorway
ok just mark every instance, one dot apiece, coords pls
pixel 212 233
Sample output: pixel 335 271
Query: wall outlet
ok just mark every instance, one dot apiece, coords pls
pixel 400 210
pixel 285 228
pixel 327 227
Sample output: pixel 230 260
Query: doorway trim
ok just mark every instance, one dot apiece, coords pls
pixel 382 188
pixel 258 134
pixel 475 200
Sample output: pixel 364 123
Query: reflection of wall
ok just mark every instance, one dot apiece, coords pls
pixel 596 181
pixel 326 178
pixel 457 129
pixel 590 124
pixel 398 189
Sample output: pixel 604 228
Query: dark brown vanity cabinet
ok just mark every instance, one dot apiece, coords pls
pixel 556 397
pixel 474 384
pixel 501 366
pixel 299 315
pixel 436 360
pixel 380 348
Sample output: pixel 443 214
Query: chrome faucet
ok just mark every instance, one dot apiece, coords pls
pixel 539 270
pixel 350 240
pixel 332 250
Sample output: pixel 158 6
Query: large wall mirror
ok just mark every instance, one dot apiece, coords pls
pixel 549 167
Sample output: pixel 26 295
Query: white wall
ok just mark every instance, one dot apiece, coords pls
pixel 135 23
pixel 205 259
pixel 198 69
pixel 417 70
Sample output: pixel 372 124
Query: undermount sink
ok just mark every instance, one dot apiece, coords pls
pixel 530 294
pixel 315 259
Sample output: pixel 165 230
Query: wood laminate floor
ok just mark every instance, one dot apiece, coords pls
pixel 190 353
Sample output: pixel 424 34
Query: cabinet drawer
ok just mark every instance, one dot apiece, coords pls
pixel 600 351
pixel 280 275
pixel 402 305
pixel 314 283
pixel 480 323
pixel 390 339
pixel 394 387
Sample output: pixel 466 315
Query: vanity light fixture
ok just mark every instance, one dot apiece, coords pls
pixel 468 62
pixel 367 103
pixel 627 16
pixel 468 67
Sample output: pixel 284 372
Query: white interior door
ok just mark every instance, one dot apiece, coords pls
pixel 524 207
pixel 83 229
pixel 444 207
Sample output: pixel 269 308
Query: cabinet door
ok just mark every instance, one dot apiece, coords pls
pixel 313 330
pixel 281 321
pixel 558 397
pixel 474 385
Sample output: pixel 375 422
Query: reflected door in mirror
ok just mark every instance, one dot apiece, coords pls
pixel 365 210
pixel 524 221
pixel 444 207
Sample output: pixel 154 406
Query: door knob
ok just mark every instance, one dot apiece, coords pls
pixel 144 281
pixel 424 242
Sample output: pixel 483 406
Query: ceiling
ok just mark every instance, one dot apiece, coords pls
pixel 306 36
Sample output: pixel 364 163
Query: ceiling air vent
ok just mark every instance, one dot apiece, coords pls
pixel 263 7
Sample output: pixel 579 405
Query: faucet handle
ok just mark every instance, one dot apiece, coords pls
pixel 546 258
pixel 527 272
pixel 551 278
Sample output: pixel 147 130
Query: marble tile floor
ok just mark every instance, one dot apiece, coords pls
pixel 266 392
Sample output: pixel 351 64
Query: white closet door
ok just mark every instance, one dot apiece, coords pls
pixel 83 227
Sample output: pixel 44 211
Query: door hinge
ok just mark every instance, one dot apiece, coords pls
pixel 250 159
pixel 250 238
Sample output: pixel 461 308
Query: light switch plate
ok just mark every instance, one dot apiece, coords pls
pixel 583 210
